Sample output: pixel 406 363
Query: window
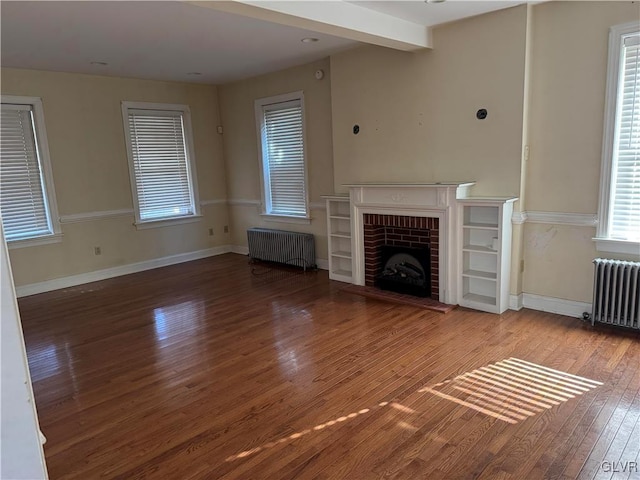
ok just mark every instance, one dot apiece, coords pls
pixel 280 122
pixel 161 162
pixel 27 196
pixel 619 211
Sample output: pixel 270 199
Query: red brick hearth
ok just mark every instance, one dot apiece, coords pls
pixel 401 231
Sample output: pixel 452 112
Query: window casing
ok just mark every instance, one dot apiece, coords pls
pixel 281 134
pixel 619 209
pixel 27 194
pixel 161 163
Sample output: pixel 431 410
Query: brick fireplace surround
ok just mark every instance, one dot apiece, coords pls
pixel 399 231
pixel 418 208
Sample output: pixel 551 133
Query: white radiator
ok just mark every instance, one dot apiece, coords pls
pixel 291 248
pixel 616 293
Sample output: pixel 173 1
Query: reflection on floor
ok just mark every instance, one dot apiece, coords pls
pixel 209 370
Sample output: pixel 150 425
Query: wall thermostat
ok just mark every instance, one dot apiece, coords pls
pixel 319 74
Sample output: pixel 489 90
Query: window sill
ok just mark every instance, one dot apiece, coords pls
pixel 34 242
pixel 269 217
pixel 617 246
pixel 167 222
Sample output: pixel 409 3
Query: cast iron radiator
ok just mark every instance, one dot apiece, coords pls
pixel 291 248
pixel 616 293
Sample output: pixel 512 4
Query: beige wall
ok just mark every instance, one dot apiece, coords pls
pixel 569 71
pixel 241 154
pixel 89 162
pixel 417 111
pixel 568 76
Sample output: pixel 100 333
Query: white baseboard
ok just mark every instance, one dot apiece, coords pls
pixel 73 280
pixel 239 249
pixel 515 302
pixel 560 306
pixel 322 263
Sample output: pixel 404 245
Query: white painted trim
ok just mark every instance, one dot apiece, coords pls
pixel 555 218
pixel 609 245
pixel 336 197
pixel 560 306
pixel 611 101
pixel 168 222
pixel 518 218
pixel 535 302
pixel 35 242
pixel 216 201
pixel 239 249
pixel 261 105
pixel 267 217
pixel 92 216
pixel 192 174
pixel 104 214
pixel 421 200
pixel 73 280
pixel 156 106
pixel 22 456
pixel 515 302
pixel 342 19
pixel 245 202
pixel 42 145
pixel 240 202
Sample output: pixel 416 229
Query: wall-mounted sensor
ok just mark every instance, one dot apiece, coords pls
pixel 356 129
pixel 319 74
pixel 481 114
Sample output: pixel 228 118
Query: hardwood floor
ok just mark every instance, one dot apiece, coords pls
pixel 207 370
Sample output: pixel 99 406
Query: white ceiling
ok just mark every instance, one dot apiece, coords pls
pixel 165 40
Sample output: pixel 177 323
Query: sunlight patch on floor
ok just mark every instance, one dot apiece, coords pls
pixel 512 390
pixel 295 436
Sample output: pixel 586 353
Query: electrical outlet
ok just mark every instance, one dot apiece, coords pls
pixel 97 250
pixel 211 232
pixel 226 229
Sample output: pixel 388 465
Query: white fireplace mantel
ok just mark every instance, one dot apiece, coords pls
pixel 437 200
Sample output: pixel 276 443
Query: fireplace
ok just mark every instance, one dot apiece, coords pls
pixel 418 237
pixel 424 214
pixel 405 270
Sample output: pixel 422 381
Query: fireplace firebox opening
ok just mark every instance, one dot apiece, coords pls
pixel 405 270
pixel 421 233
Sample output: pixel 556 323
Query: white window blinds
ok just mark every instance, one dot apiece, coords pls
pixel 160 164
pixel 22 188
pixel 625 199
pixel 283 158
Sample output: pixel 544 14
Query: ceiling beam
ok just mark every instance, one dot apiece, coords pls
pixel 336 17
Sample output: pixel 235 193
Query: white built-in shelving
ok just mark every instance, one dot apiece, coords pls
pixel 485 254
pixel 474 238
pixel 339 233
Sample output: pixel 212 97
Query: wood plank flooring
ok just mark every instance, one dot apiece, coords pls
pixel 209 370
